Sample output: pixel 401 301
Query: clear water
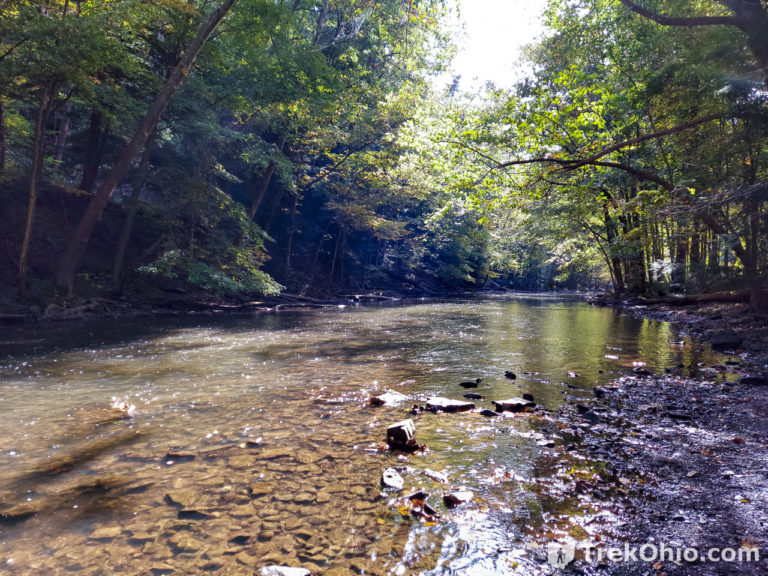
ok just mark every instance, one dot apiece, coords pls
pixel 287 453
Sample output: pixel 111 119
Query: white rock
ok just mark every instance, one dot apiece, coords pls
pixel 283 571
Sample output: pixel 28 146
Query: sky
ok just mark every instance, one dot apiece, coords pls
pixel 495 32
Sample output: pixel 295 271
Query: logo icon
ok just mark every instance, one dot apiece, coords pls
pixel 560 554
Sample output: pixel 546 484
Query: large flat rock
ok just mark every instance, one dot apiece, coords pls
pixel 439 404
pixel 389 398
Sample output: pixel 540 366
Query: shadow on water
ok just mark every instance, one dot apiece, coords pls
pixel 252 443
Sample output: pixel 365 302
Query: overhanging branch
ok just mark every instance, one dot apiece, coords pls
pixel 681 21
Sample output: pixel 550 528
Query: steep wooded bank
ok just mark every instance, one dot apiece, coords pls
pixel 248 147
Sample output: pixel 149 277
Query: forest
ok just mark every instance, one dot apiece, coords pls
pixel 232 149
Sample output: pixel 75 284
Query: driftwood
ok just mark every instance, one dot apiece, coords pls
pixel 369 297
pixel 740 296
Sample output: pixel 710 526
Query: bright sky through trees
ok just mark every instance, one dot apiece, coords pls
pixel 495 32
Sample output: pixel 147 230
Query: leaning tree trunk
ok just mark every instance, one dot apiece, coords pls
pixel 264 184
pixel 93 153
pixel 70 260
pixel 38 148
pixel 130 216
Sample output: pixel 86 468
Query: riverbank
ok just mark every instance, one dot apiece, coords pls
pixel 688 455
pixel 689 459
pixel 98 307
pixel 202 304
pixel 735 328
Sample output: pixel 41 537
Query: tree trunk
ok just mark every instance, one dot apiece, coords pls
pixel 291 232
pixel 261 189
pixel 610 234
pixel 96 140
pixel 335 254
pixel 70 260
pixel 679 275
pixel 38 149
pixel 63 132
pixel 264 184
pixel 2 137
pixel 130 215
pixel 275 210
pixel 752 19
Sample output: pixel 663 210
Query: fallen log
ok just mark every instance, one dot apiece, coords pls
pixel 740 296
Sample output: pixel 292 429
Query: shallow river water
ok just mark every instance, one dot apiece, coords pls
pixel 252 442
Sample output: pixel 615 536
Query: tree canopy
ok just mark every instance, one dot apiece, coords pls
pixel 247 147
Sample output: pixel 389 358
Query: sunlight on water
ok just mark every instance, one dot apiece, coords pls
pixel 252 442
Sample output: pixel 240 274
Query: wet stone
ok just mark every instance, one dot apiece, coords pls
pixel 141 537
pixel 257 489
pixel 106 533
pixel 391 480
pixel 440 477
pixel 513 405
pixel 242 462
pixel 760 380
pixel 246 559
pixel 439 404
pixel 401 434
pixel 458 498
pixel 389 398
pixel 183 542
pixel 184 498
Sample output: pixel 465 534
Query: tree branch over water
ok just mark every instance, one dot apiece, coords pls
pixel 681 21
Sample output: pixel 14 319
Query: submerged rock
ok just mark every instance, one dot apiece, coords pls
pixel 489 413
pixel 106 533
pixel 473 396
pixel 438 404
pixel 510 375
pixel 283 571
pixel 471 384
pixel 513 405
pixel 184 498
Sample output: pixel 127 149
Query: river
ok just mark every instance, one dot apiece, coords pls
pixel 252 442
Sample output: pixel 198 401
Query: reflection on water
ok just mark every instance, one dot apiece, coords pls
pixel 252 443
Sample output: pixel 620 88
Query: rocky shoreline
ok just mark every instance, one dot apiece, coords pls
pixel 689 455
